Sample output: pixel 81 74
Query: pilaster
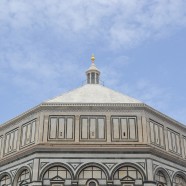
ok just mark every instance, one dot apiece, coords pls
pixel 108 123
pixel 35 170
pixel 150 170
pixel 77 128
pixel 45 128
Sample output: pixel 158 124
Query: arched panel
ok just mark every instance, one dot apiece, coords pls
pixel 134 166
pixel 57 174
pixel 127 173
pixel 5 179
pixel 23 177
pixel 53 165
pixel 179 179
pixel 92 171
pixel 161 177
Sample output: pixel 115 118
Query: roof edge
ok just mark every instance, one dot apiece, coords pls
pixel 20 116
pixel 46 105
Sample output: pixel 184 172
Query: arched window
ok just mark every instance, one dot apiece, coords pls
pixel 5 181
pixel 24 178
pixel 127 175
pixel 161 179
pixel 179 181
pixel 57 176
pixel 94 175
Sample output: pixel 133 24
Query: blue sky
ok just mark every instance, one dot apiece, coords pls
pixel 139 45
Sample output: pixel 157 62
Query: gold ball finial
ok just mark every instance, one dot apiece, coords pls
pixel 92 58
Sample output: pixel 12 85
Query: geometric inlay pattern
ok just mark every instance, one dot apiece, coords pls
pixel 142 164
pixel 154 166
pixel 30 165
pixel 42 164
pixel 109 165
pixel 13 172
pixel 75 165
pixel 170 172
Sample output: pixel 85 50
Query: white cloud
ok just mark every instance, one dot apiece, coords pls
pixel 120 23
pixel 115 24
pixel 33 71
pixel 38 36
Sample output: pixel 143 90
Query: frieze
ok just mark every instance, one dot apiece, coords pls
pixel 95 109
pixel 95 104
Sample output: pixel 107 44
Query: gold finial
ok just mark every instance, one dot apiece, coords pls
pixel 92 58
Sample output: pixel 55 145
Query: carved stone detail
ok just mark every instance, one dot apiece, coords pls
pixel 30 165
pixel 42 164
pixel 13 172
pixel 170 172
pixel 109 165
pixel 154 166
pixel 74 165
pixel 142 164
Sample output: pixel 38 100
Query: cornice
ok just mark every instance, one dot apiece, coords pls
pixel 20 117
pixel 164 117
pixel 97 107
pixel 103 149
pixel 69 107
pixel 95 104
pixel 115 107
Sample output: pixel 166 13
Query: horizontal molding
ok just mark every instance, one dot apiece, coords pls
pixel 91 148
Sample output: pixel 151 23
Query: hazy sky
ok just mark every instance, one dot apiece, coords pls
pixel 139 45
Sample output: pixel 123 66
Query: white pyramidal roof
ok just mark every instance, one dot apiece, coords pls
pixel 93 93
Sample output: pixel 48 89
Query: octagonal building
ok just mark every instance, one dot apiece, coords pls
pixel 92 136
